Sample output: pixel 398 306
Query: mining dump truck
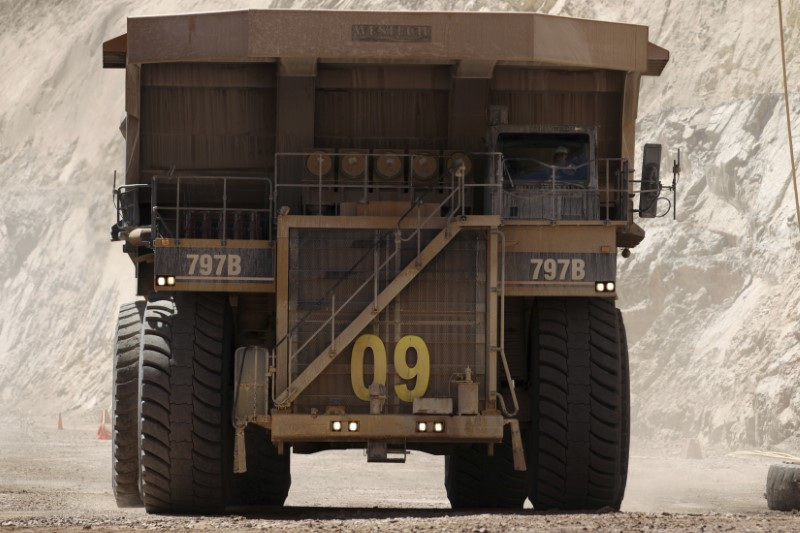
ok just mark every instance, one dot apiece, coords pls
pixel 390 231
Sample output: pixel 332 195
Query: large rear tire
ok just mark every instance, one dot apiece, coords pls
pixel 125 407
pixel 474 479
pixel 185 404
pixel 577 446
pixel 268 477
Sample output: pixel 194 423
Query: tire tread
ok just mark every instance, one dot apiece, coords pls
pixel 577 446
pixel 125 410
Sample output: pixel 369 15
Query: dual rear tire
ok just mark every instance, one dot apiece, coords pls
pixel 577 442
pixel 184 440
pixel 172 392
pixel 125 406
pixel 177 421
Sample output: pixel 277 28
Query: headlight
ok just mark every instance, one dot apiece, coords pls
pixel 161 281
pixel 352 426
pixel 336 425
pixel 422 427
pixel 600 286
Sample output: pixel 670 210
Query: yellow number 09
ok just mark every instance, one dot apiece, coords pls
pixel 357 364
pixel 421 370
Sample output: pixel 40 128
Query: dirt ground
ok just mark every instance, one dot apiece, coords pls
pixel 60 480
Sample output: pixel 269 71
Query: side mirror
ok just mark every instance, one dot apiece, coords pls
pixel 651 184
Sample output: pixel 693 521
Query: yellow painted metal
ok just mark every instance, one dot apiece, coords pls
pixel 388 294
pixel 210 243
pixel 421 371
pixel 282 304
pixel 492 322
pixel 567 239
pixel 545 289
pixel 516 445
pixel 318 428
pixel 189 286
pixel 374 343
pixel 287 222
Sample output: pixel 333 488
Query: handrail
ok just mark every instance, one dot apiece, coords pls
pixel 501 288
pixel 614 191
pixel 367 181
pixel 292 354
pixel 156 217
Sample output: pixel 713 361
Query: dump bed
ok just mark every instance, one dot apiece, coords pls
pixel 224 92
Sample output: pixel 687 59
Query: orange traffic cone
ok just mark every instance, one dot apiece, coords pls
pixel 103 432
pixel 60 422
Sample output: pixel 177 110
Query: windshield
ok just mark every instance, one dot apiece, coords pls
pixel 545 156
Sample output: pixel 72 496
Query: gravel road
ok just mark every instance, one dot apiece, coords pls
pixel 60 480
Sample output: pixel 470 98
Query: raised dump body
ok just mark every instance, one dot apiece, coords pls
pixel 383 230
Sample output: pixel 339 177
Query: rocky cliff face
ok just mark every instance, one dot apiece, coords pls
pixel 711 300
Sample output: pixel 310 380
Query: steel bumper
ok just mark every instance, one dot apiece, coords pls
pixel 320 428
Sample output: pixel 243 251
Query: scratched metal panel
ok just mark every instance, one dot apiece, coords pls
pixel 254 265
pixel 445 306
pixel 521 267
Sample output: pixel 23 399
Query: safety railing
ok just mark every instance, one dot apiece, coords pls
pixel 453 198
pixel 591 191
pixel 335 183
pixel 212 207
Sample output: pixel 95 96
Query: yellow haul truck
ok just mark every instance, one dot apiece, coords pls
pixel 382 230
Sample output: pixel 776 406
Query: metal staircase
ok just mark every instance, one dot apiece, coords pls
pixel 382 298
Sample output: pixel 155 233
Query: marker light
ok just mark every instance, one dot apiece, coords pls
pixel 438 427
pixel 336 425
pixel 352 426
pixel 610 286
pixel 161 281
pixel 422 427
pixel 600 286
pixel 170 280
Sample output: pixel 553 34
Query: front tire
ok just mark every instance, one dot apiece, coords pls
pixel 577 446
